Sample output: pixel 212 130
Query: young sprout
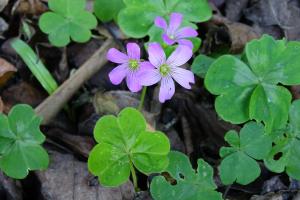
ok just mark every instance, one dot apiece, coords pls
pixel 173 33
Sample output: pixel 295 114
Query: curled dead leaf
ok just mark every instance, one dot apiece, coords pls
pixel 6 71
pixel 239 34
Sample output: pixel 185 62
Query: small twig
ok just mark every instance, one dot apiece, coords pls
pixel 118 42
pixel 226 191
pixel 54 103
pixel 187 134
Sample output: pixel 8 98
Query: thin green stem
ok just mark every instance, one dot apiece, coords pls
pixel 134 178
pixel 142 98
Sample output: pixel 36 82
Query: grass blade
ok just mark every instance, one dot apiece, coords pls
pixel 35 65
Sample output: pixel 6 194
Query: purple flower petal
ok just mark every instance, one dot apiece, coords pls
pixel 167 89
pixel 161 23
pixel 146 65
pixel 183 77
pixel 132 81
pixel 175 22
pixel 157 56
pixel 118 74
pixel 186 32
pixel 180 56
pixel 133 51
pixel 149 77
pixel 186 43
pixel 114 55
pixel 167 39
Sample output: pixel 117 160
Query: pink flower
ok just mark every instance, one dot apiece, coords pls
pixel 130 66
pixel 173 33
pixel 165 70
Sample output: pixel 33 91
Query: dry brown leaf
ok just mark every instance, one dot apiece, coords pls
pixel 21 92
pixel 31 7
pixel 6 71
pixel 239 33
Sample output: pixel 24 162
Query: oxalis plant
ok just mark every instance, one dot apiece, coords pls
pixel 20 142
pixel 251 91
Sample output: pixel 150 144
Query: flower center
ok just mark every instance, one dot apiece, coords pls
pixel 172 37
pixel 133 64
pixel 164 70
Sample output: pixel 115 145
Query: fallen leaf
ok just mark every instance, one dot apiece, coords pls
pixel 11 188
pixel 68 178
pixel 21 92
pixel 31 7
pixel 234 9
pixel 239 34
pixel 282 13
pixel 6 71
pixel 80 145
pixel 3 4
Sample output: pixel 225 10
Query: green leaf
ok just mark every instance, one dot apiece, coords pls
pixel 107 10
pixel 253 88
pixel 196 43
pixel 201 64
pixel 149 152
pixel 68 19
pixel 193 10
pixel 137 18
pixel 294 117
pixel 20 142
pixel 124 140
pixel 238 162
pixel 35 65
pixel 270 104
pixel 254 141
pixel 238 167
pixel 190 184
pixel 284 155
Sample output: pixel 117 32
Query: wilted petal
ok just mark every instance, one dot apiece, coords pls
pixel 186 43
pixel 114 55
pixel 186 32
pixel 180 56
pixel 132 81
pixel 183 77
pixel 157 56
pixel 149 77
pixel 167 89
pixel 118 74
pixel 133 51
pixel 167 39
pixel 175 22
pixel 161 23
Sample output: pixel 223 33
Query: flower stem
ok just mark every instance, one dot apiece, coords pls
pixel 134 178
pixel 142 98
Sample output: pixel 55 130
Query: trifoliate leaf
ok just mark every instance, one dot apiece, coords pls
pixel 137 18
pixel 67 19
pixel 20 142
pixel 190 184
pixel 238 162
pixel 201 64
pixel 107 10
pixel 124 140
pixel 252 89
pixel 284 155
